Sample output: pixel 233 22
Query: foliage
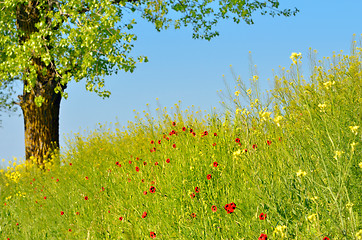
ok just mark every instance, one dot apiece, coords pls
pixel 285 168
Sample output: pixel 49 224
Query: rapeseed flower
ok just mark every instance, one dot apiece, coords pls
pixel 354 129
pixel 337 154
pixel 280 231
pixel 301 173
pixel 295 57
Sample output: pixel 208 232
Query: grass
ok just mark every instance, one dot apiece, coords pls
pixel 287 167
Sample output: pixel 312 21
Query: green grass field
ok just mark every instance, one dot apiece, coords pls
pixel 286 166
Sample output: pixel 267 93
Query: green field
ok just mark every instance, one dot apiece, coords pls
pixel 285 165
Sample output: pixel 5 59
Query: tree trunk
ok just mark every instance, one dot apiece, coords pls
pixel 41 124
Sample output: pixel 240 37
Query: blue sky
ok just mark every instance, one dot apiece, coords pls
pixel 181 68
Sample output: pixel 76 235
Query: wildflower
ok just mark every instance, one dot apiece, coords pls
pixel 295 57
pixel 301 173
pixel 262 216
pixel 152 234
pixel 197 189
pixel 238 111
pixel 248 91
pixel 268 142
pixel 192 195
pixel 61 213
pixel 130 162
pixel 156 163
pixel 353 144
pixel 360 164
pixel 329 84
pixel 337 154
pixel 152 189
pixel 144 214
pixel 69 230
pixel 137 169
pixel 86 178
pixel 77 213
pixel 237 140
pixel 174 145
pixel 145 193
pixel 230 207
pixel 208 176
pixel 326 238
pixel 168 160
pixel 264 116
pixel 174 124
pixel 215 164
pixel 215 134
pixel 85 198
pixel 144 163
pixel 152 142
pixel 159 141
pixel 117 163
pixel 322 107
pixel 120 218
pixel 263 237
pixel 359 235
pixel 193 215
pixel 312 218
pixel 214 144
pixel 237 93
pixel 45 197
pixel 254 146
pixel 280 230
pixel 237 153
pixel 354 129
pixel 349 205
pixel 277 120
pixel 213 208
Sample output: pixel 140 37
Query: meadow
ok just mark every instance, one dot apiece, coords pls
pixel 284 164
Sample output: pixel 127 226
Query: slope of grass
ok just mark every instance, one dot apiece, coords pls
pixel 289 167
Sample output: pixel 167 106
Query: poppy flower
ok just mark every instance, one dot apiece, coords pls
pixel 137 169
pixel 144 214
pixel 194 134
pixel 117 163
pixel 85 198
pixel 215 164
pixel 208 176
pixel 152 234
pixel 70 164
pixel 144 163
pixel 156 163
pixel 102 188
pixel 263 237
pixel 254 146
pixel 130 162
pixel 168 160
pixel 205 133
pixel 174 145
pixel 69 230
pixel 326 238
pixel 174 124
pixel 197 189
pixel 268 142
pixel 230 207
pixel 213 208
pixel 184 129
pixel 120 218
pixel 262 216
pixel 61 213
pixel 77 213
pixel 145 193
pixel 45 197
pixel 215 134
pixel 86 178
pixel 192 195
pixel 214 144
pixel 193 215
pixel 152 142
pixel 191 131
pixel 237 140
pixel 152 189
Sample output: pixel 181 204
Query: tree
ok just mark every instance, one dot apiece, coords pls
pixel 45 44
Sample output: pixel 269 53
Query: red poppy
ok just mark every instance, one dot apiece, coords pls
pixel 137 169
pixel 70 164
pixel 205 133
pixel 184 129
pixel 61 213
pixel 167 139
pixel 174 145
pixel 268 142
pixel 145 192
pixel 262 216
pixel 144 214
pixel 152 189
pixel 192 195
pixel 120 218
pixel 215 134
pixel 130 162
pixel 213 208
pixel 326 238
pixel 85 198
pixel 230 207
pixel 215 164
pixel 144 163
pixel 152 234
pixel 237 140
pixel 77 213
pixel 117 163
pixel 214 144
pixel 45 197
pixel 168 160
pixel 193 215
pixel 194 134
pixel 173 123
pixel 70 230
pixel 86 178
pixel 191 131
pixel 254 146
pixel 156 163
pixel 102 188
pixel 263 237
pixel 208 176
pixel 197 189
pixel 159 141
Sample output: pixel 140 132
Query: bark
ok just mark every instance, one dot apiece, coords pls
pixel 41 124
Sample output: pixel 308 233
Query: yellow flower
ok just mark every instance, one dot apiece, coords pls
pixel 248 91
pixel 237 93
pixel 238 111
pixel 337 154
pixel 295 57
pixel 301 173
pixel 360 164
pixel 322 107
pixel 353 144
pixel 280 231
pixel 354 129
pixel 237 153
pixel 359 235
pixel 349 205
pixel 329 84
pixel 264 115
pixel 277 120
pixel 312 218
